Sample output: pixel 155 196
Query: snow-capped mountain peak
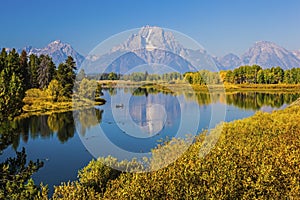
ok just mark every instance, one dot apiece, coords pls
pixel 56 42
pixel 150 38
pixel 58 50
pixel 268 54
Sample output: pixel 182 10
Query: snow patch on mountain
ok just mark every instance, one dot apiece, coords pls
pixel 268 54
pixel 58 50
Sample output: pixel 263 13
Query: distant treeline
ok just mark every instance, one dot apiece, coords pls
pixel 255 74
pixel 20 72
pixel 135 76
pixel 140 76
pixel 244 74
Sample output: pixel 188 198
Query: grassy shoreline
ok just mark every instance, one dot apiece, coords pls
pixel 248 160
pixel 43 105
pixel 179 85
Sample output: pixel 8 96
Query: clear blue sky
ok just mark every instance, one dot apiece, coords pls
pixel 221 26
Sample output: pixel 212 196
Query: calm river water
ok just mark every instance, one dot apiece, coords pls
pixel 131 121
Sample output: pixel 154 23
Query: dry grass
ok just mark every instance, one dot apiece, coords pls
pixel 37 103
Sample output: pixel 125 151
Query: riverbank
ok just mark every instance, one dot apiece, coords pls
pixel 181 85
pixel 255 157
pixel 36 102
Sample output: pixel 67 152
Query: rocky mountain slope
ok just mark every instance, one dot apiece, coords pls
pixel 150 46
pixel 269 54
pixel 58 50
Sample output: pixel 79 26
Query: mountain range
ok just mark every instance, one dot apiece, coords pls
pixel 264 53
pixel 154 45
pixel 153 48
pixel 58 50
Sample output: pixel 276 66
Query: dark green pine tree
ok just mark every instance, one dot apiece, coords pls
pixel 12 63
pixel 12 89
pixel 3 57
pixel 46 71
pixel 4 79
pixel 24 70
pixel 33 71
pixel 66 76
pixel 16 93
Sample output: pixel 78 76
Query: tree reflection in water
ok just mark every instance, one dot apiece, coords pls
pixel 245 100
pixel 46 126
pixel 16 172
pixel 89 118
pixel 255 100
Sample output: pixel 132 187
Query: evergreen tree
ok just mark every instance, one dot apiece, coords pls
pixel 24 70
pixel 66 76
pixel 12 93
pixel 3 95
pixel 33 71
pixel 46 71
pixel 12 63
pixel 16 94
pixel 3 56
pixel 12 89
